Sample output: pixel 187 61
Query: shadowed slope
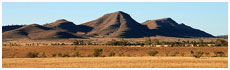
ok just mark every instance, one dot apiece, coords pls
pixel 8 28
pixel 63 25
pixel 168 27
pixel 35 31
pixel 24 32
pixel 117 24
pixel 68 26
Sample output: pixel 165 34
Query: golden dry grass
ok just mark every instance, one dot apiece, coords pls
pixel 117 62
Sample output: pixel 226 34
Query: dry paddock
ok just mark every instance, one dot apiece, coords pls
pixel 21 51
pixel 117 62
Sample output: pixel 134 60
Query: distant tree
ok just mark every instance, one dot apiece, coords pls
pixel 148 41
pixel 78 42
pixel 124 42
pixel 115 42
pixel 220 42
pixel 155 42
pixel 201 42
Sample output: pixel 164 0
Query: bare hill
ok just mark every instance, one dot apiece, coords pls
pixel 11 27
pixel 117 24
pixel 35 31
pixel 168 27
pixel 63 24
pixel 113 25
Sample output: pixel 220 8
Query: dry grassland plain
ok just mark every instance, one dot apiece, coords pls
pixel 117 62
pixel 132 57
pixel 84 51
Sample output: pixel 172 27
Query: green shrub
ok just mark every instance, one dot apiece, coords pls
pixel 219 53
pixel 97 52
pixel 111 54
pixel 54 54
pixel 182 54
pixel 174 53
pixel 121 54
pixel 32 54
pixel 152 52
pixel 128 55
pixel 206 54
pixel 66 55
pixel 191 52
pixel 198 54
pixel 58 54
pixel 43 55
pixel 76 53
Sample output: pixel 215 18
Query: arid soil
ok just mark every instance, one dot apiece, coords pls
pixel 85 51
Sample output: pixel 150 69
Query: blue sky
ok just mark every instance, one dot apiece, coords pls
pixel 211 17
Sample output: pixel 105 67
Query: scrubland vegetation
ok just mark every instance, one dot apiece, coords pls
pixel 190 52
pixel 148 42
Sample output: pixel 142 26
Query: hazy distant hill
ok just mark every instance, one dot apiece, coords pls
pixel 222 36
pixel 116 25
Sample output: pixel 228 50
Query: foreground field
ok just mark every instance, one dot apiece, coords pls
pixel 117 62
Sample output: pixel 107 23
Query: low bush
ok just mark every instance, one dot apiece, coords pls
pixel 152 52
pixel 75 48
pixel 43 55
pixel 191 52
pixel 57 54
pixel 111 54
pixel 197 54
pixel 182 54
pixel 121 54
pixel 219 53
pixel 206 54
pixel 97 52
pixel 174 53
pixel 32 54
pixel 66 55
pixel 54 54
pixel 76 54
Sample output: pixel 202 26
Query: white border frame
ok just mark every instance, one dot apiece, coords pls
pixel 112 1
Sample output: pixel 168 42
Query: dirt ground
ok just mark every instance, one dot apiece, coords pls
pixel 20 52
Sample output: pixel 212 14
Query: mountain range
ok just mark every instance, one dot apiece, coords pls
pixel 113 25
